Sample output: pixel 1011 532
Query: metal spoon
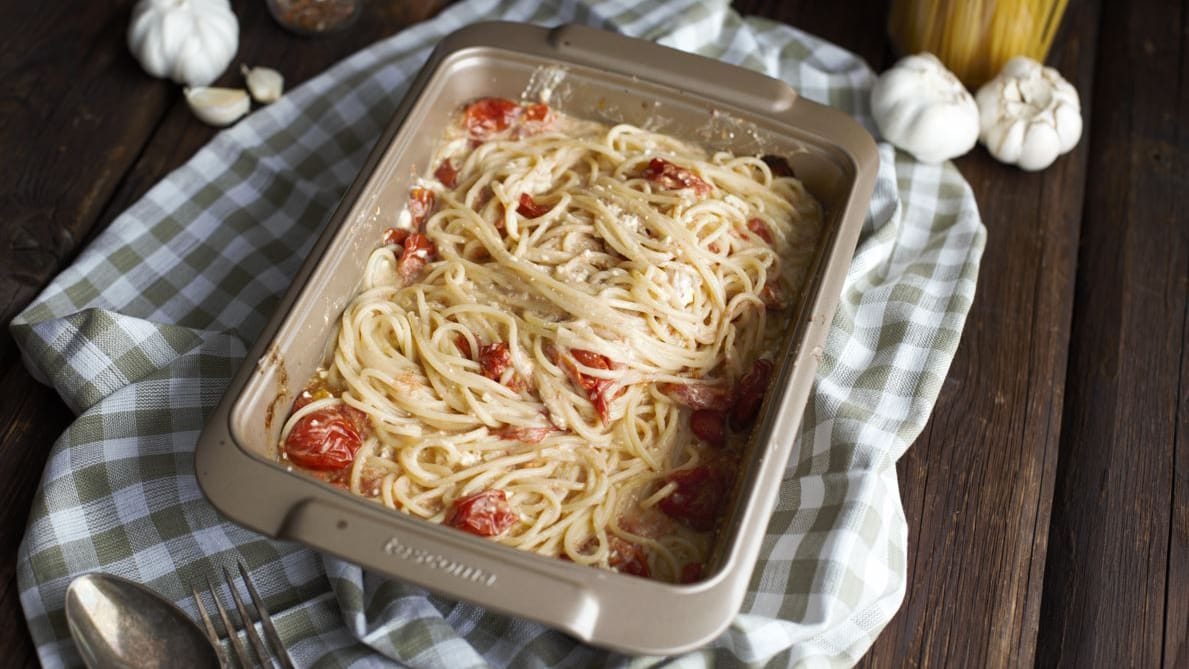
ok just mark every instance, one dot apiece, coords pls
pixel 119 623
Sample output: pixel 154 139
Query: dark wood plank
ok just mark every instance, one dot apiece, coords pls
pixel 1176 617
pixel 77 110
pixel 30 420
pixel 855 25
pixel 1116 591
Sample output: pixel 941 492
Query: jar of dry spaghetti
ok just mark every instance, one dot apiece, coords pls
pixel 314 17
pixel 974 38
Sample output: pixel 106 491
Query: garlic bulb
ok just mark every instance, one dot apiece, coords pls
pixel 189 41
pixel 1029 114
pixel 265 84
pixel 921 107
pixel 218 106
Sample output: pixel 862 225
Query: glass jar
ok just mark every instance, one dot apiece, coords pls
pixel 974 38
pixel 314 17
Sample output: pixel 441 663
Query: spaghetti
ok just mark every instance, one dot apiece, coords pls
pixel 564 339
pixel 974 38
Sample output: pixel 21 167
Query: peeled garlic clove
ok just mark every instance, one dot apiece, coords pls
pixel 265 84
pixel 218 106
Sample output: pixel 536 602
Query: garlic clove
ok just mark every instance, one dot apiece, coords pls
pixel 265 84
pixel 218 106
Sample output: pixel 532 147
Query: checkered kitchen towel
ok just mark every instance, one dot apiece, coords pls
pixel 140 337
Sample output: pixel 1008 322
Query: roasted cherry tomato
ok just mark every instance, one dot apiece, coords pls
pixel 485 513
pixel 671 177
pixel 529 208
pixel 446 174
pixel 494 359
pixel 537 113
pixel 596 387
pixel 760 228
pixel 489 116
pixel 417 253
pixel 395 236
pixel 525 435
pixel 324 440
pixel 627 557
pixel 699 496
pixel 750 393
pixel 699 395
pixel 421 203
pixel 709 425
pixel 317 390
pixel 463 345
pixel 773 296
pixel 778 166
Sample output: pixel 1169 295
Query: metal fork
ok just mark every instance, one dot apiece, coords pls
pixel 261 651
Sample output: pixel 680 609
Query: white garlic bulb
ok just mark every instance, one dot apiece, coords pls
pixel 1029 114
pixel 218 106
pixel 189 41
pixel 922 108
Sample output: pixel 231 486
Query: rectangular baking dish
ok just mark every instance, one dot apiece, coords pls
pixel 590 74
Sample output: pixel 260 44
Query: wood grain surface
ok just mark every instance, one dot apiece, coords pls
pixel 1048 498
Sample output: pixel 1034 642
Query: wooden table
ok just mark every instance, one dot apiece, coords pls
pixel 1048 499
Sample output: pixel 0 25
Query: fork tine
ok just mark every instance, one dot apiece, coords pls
pixel 270 631
pixel 231 635
pixel 210 627
pixel 249 628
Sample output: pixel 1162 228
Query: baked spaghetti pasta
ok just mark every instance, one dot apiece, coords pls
pixel 563 340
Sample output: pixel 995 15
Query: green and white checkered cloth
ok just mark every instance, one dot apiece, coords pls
pixel 141 335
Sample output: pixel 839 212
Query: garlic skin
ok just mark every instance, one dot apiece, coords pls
pixel 188 41
pixel 1029 114
pixel 922 108
pixel 218 106
pixel 265 84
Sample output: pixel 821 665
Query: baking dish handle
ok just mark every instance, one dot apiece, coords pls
pixel 654 62
pixel 447 565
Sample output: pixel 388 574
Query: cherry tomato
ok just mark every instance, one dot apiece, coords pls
pixel 489 116
pixel 750 393
pixel 691 572
pixel 463 345
pixel 778 165
pixel 446 174
pixel 699 395
pixel 699 496
pixel 627 557
pixel 317 390
pixel 395 236
pixel 529 208
pixel 596 387
pixel 671 177
pixel 709 425
pixel 325 440
pixel 494 359
pixel 421 203
pixel 537 113
pixel 773 296
pixel 485 513
pixel 760 228
pixel 418 252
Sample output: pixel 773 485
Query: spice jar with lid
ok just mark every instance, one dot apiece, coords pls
pixel 314 17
